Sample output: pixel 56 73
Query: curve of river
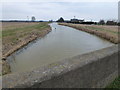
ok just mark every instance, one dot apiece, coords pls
pixel 62 42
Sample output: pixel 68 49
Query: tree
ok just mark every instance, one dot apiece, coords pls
pixel 33 18
pixel 60 20
pixel 101 22
pixel 50 20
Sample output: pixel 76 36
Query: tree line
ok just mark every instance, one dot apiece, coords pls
pixel 101 22
pixel 108 22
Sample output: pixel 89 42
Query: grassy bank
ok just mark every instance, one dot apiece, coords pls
pixel 18 34
pixel 114 84
pixel 109 33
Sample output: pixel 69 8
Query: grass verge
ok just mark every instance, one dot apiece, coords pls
pixel 115 84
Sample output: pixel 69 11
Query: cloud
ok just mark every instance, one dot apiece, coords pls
pixel 54 10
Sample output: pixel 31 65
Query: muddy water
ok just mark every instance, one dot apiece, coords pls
pixel 62 42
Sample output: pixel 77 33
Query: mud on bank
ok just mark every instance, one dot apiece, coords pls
pixel 15 35
pixel 110 33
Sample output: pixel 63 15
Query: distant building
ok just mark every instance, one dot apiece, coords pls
pixel 80 21
pixel 67 21
pixel 111 23
pixel 76 21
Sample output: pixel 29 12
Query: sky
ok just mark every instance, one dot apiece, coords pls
pixel 53 10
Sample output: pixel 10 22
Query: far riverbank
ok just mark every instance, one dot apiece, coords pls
pixel 109 33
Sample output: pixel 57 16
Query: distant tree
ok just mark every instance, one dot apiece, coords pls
pixel 95 23
pixel 33 18
pixel 50 20
pixel 60 20
pixel 101 22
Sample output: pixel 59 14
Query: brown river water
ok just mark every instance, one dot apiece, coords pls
pixel 62 42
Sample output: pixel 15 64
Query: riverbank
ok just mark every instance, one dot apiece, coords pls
pixel 62 42
pixel 109 33
pixel 115 84
pixel 15 35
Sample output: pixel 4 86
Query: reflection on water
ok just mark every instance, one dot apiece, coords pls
pixel 62 42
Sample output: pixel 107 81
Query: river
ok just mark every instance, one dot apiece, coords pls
pixel 62 42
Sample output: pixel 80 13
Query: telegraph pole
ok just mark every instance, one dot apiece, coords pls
pixel 27 18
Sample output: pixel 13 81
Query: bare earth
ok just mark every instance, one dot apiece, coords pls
pixel 109 33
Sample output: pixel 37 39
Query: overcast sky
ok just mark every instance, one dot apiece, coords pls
pixel 54 10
